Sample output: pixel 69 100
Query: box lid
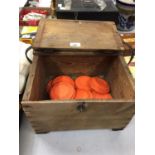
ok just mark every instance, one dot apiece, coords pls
pixel 76 35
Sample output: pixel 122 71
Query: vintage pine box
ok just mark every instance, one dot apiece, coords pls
pixel 78 48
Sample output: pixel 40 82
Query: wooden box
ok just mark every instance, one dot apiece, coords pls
pixel 96 50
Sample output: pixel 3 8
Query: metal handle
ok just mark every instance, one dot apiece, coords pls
pixel 81 107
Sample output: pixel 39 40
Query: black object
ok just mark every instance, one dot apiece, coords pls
pixel 20 110
pixel 132 51
pixel 119 129
pixel 26 54
pixel 27 4
pixel 20 117
pixel 90 11
pixel 81 107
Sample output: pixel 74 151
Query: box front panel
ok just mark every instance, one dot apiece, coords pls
pixel 67 116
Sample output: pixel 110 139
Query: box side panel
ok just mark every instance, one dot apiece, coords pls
pixel 77 64
pixel 120 79
pixel 35 89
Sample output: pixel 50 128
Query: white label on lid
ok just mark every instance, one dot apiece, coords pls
pixel 75 44
pixel 59 5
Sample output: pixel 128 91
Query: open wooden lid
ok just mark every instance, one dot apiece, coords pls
pixel 78 35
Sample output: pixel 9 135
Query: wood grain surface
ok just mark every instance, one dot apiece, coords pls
pixel 92 35
pixel 48 116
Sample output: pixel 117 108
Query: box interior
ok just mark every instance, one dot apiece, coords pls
pixel 112 68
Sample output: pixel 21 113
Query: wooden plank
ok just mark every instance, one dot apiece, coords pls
pixel 29 85
pixel 41 27
pixel 120 79
pixel 65 116
pixel 76 65
pixel 42 127
pixel 91 35
pixel 35 84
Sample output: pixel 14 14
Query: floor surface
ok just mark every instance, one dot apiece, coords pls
pixel 85 142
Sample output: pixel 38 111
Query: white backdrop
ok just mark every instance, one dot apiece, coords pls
pixel 88 142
